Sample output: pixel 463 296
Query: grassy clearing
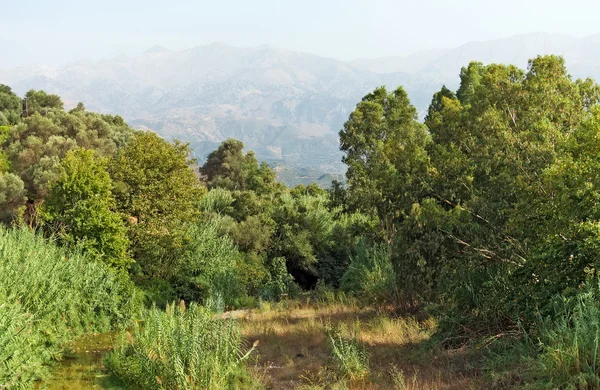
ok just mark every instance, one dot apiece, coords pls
pixel 296 350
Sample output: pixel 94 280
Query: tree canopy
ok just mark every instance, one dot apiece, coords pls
pixel 81 208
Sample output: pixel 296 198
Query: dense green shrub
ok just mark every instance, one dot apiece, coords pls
pixel 48 296
pixel 209 267
pixel 181 349
pixel 371 275
pixel 80 209
pixel 280 281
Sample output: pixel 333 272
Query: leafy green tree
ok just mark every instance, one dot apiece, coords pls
pixel 564 245
pixel 470 78
pixel 35 147
pixel 10 106
pixel 4 162
pixel 451 172
pixel 228 167
pixel 338 195
pixel 507 199
pixel 158 191
pixel 437 105
pixel 385 150
pixel 12 195
pixel 41 102
pixel 80 208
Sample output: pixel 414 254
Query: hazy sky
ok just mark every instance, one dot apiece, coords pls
pixel 58 31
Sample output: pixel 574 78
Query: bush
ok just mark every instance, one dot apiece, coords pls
pixel 80 209
pixel 280 282
pixel 208 269
pixel 48 296
pixel 371 274
pixel 180 349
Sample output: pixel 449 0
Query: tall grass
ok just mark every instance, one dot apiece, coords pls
pixel 570 343
pixel 21 350
pixel 48 296
pixel 560 352
pixel 181 349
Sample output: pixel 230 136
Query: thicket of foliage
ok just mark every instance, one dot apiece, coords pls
pixel 48 296
pixel 371 275
pixel 80 207
pixel 270 223
pixel 226 232
pixel 211 268
pixel 491 213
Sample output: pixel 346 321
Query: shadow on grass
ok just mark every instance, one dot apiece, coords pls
pixel 293 349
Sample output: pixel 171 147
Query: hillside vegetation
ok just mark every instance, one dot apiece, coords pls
pixel 470 239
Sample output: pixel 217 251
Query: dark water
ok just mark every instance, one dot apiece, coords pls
pixel 82 367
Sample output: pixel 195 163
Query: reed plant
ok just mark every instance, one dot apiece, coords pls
pixel 351 358
pixel 181 348
pixel 570 344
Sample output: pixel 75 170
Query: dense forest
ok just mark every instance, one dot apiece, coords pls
pixel 485 218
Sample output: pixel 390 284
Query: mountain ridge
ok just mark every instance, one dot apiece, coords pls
pixel 286 105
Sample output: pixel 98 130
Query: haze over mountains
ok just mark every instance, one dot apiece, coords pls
pixel 287 106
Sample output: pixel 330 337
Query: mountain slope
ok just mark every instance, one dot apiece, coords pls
pixel 287 106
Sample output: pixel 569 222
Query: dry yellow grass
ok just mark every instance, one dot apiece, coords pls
pixel 293 351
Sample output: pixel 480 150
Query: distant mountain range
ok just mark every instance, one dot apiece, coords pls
pixel 285 105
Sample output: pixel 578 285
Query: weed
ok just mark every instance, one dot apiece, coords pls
pixel 350 356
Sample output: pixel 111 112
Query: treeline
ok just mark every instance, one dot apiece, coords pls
pixel 486 210
pixel 225 232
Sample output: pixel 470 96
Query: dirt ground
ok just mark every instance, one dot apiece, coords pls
pixel 294 352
